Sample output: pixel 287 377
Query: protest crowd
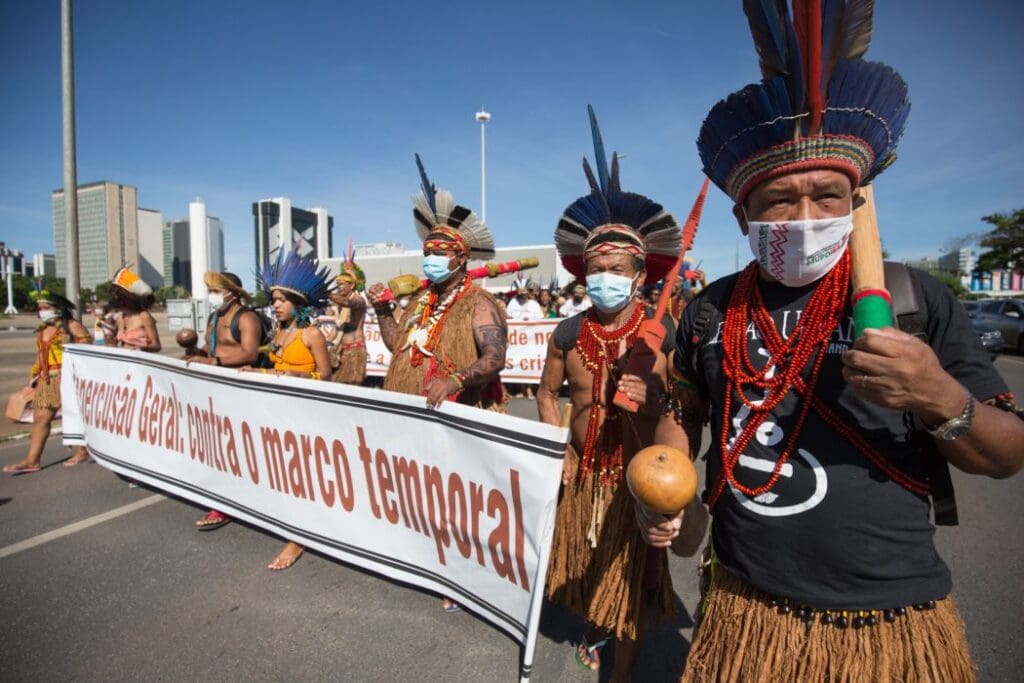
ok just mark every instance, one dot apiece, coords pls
pixel 796 363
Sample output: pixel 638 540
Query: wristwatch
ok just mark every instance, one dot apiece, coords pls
pixel 957 426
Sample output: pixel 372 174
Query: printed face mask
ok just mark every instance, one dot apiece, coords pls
pixel 435 267
pixel 609 292
pixel 47 315
pixel 797 253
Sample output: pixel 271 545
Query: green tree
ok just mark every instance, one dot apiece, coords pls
pixel 22 288
pixel 1005 242
pixel 953 282
pixel 170 292
pixel 260 298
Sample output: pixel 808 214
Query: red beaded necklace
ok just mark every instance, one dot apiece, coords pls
pixel 820 317
pixel 599 351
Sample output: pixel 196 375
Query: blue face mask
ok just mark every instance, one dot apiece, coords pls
pixel 435 267
pixel 610 292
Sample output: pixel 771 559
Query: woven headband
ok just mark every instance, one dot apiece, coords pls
pixel 454 242
pixel 627 242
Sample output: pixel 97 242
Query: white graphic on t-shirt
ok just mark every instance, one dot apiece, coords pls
pixel 770 434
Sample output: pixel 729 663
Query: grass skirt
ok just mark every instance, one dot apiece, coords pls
pixel 351 367
pixel 47 394
pixel 620 581
pixel 742 638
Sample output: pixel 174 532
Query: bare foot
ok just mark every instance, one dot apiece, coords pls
pixel 287 557
pixel 450 606
pixel 22 468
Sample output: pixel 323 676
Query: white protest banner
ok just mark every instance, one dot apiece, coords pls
pixel 456 500
pixel 527 349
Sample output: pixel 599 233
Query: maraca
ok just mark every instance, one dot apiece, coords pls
pixel 187 339
pixel 662 478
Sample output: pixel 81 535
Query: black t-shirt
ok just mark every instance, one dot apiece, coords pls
pixel 834 531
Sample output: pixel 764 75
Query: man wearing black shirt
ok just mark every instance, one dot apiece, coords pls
pixel 822 564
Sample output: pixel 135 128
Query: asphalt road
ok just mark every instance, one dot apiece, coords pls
pixel 94 590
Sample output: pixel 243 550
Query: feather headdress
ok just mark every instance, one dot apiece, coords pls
pixel 819 104
pixel 352 272
pixel 299 275
pixel 609 215
pixel 130 282
pixel 435 211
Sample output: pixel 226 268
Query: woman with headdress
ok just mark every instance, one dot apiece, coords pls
pixel 350 306
pixel 297 285
pixel 136 328
pixel 58 326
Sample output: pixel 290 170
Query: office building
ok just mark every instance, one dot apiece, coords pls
pixel 151 247
pixel 107 231
pixel 177 250
pixel 280 225
pixel 44 265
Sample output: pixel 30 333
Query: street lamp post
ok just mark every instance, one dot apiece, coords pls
pixel 67 81
pixel 483 117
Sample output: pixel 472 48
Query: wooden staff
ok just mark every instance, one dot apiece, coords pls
pixel 872 303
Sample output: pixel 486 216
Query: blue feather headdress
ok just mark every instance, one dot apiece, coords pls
pixel 609 216
pixel 299 275
pixel 819 104
pixel 435 211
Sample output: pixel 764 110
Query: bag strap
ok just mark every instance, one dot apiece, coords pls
pixel 911 312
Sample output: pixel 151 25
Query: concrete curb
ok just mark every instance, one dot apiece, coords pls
pixel 17 436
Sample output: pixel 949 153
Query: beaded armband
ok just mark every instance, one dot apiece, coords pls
pixel 460 379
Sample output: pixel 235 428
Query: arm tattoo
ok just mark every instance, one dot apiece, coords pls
pixel 491 335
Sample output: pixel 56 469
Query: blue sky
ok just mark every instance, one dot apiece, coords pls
pixel 325 103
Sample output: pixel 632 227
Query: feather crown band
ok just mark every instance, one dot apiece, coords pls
pixel 40 295
pixel 637 220
pixel 299 275
pixel 130 282
pixel 435 212
pixel 819 105
pixel 350 272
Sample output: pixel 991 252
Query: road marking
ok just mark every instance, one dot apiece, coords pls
pixel 79 526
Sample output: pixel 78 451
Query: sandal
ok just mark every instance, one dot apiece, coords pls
pixel 212 520
pixel 77 460
pixel 585 649
pixel 21 468
pixel 279 565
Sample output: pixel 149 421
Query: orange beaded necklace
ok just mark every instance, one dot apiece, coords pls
pixel 599 351
pixel 810 338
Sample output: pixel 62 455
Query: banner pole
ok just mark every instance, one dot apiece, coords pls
pixel 540 580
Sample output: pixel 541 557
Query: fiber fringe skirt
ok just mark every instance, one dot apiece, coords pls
pixel 742 637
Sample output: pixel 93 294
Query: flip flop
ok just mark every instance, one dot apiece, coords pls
pixel 287 565
pixel 590 650
pixel 212 520
pixel 17 468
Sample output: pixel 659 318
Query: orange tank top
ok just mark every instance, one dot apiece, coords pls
pixel 295 357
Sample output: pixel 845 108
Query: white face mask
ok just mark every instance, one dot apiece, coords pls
pixel 47 315
pixel 216 299
pixel 797 253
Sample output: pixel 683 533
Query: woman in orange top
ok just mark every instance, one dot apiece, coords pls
pixel 299 348
pixel 57 328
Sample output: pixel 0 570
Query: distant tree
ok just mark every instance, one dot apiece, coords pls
pixel 102 291
pixel 170 292
pixel 1005 242
pixel 260 298
pixel 953 282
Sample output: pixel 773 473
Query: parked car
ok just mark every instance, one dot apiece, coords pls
pixel 972 307
pixel 991 338
pixel 1007 316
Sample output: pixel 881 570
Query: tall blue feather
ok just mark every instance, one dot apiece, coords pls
pixel 599 156
pixel 428 187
